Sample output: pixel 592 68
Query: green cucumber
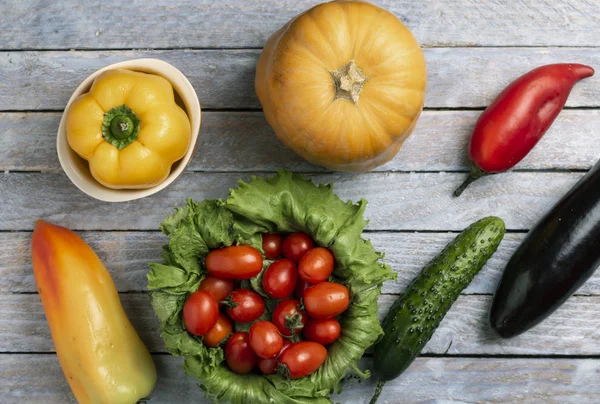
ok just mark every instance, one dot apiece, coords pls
pixel 413 318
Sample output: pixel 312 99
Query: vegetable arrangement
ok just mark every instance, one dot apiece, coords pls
pixel 271 295
pixel 338 277
pixel 265 339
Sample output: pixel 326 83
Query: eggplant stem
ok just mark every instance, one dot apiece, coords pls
pixel 475 174
pixel 378 390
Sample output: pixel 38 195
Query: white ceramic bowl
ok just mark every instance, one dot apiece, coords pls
pixel 77 169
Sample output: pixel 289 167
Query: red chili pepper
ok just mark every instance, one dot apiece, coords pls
pixel 518 118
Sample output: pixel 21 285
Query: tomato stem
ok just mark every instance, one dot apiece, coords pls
pixel 283 370
pixel 475 174
pixel 378 390
pixel 294 323
pixel 229 303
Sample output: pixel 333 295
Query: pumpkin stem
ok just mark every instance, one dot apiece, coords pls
pixel 348 81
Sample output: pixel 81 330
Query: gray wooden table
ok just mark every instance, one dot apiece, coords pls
pixel 473 49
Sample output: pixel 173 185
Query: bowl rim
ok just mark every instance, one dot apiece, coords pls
pixel 185 90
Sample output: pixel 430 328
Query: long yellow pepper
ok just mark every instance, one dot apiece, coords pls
pixel 101 354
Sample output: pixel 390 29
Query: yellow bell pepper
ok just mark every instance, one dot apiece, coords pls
pixel 102 356
pixel 129 128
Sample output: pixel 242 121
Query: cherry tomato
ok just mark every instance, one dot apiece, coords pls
pixel 200 313
pixel 286 344
pixel 236 262
pixel 279 280
pixel 219 288
pixel 316 265
pixel 322 331
pixel 271 244
pixel 219 332
pixel 238 354
pixel 296 245
pixel 248 305
pixel 301 286
pixel 303 358
pixel 288 318
pixel 265 340
pixel 326 300
pixel 269 366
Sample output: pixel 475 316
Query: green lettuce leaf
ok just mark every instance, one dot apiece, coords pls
pixel 284 203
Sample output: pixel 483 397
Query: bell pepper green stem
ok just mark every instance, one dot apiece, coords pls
pixel 121 126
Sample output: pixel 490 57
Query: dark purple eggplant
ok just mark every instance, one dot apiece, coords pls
pixel 557 256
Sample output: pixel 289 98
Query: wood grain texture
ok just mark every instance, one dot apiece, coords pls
pixel 243 141
pixel 127 254
pixel 38 379
pixel 457 77
pixel 573 330
pixel 397 201
pixel 238 23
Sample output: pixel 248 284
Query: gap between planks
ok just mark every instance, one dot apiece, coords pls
pixel 225 78
pixel 438 144
pixel 127 254
pixel 572 330
pixel 497 380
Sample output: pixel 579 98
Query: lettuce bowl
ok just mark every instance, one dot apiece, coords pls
pixel 284 203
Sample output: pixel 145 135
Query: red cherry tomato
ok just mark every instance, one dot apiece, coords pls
pixel 322 331
pixel 269 366
pixel 239 355
pixel 326 300
pixel 236 262
pixel 247 305
pixel 271 244
pixel 303 358
pixel 219 332
pixel 288 318
pixel 265 339
pixel 200 313
pixel 286 344
pixel 296 245
pixel 219 288
pixel 301 286
pixel 279 280
pixel 316 265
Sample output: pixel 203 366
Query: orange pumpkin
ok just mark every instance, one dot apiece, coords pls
pixel 342 85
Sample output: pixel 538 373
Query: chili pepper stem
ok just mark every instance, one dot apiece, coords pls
pixel 475 174
pixel 378 390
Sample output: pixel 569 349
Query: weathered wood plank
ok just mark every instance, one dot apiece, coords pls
pixel 239 23
pixel 397 201
pixel 572 330
pixel 23 323
pixel 126 255
pixel 443 380
pixel 243 141
pixel 38 379
pixel 458 77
